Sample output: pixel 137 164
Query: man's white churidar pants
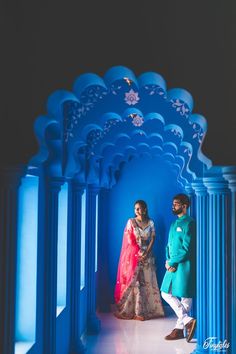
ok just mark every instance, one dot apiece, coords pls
pixel 180 307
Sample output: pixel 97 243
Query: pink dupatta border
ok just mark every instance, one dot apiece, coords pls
pixel 128 261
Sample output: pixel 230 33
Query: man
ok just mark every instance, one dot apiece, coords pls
pixel 178 286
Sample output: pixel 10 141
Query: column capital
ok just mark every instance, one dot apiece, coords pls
pixel 189 189
pixel 55 183
pixel 93 189
pixel 77 186
pixel 105 189
pixel 199 187
pixel 216 184
pixel 229 173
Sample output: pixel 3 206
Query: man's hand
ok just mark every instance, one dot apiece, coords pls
pixel 169 268
pixel 172 269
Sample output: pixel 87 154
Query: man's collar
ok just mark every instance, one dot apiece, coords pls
pixel 182 217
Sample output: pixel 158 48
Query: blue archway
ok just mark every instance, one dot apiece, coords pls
pixel 115 115
pixel 88 141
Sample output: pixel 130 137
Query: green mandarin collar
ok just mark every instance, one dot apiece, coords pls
pixel 182 217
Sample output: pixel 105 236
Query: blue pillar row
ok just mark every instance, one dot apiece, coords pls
pixel 93 322
pixel 75 193
pixel 218 282
pixel 202 263
pixel 10 179
pixel 50 208
pixel 230 175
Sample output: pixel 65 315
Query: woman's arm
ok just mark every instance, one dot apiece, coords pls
pixel 149 248
pixel 150 245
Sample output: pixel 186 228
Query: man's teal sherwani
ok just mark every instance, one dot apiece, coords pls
pixel 180 253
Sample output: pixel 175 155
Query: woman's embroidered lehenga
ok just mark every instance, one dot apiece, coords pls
pixel 136 291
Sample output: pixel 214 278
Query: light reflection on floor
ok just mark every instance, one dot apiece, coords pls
pixel 134 337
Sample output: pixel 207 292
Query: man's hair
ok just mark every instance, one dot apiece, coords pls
pixel 182 198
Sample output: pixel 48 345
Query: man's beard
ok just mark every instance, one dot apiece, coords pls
pixel 178 211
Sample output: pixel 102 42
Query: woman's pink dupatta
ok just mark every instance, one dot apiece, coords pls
pixel 128 262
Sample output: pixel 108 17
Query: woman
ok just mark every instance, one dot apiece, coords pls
pixel 137 294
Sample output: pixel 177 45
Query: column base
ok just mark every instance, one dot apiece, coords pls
pixel 94 324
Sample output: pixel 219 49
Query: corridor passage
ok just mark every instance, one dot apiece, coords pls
pixel 134 337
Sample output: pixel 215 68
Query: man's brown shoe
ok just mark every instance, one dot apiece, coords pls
pixel 175 334
pixel 190 327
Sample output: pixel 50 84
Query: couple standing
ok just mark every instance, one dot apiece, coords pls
pixel 137 294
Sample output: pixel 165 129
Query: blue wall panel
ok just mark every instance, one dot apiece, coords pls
pixel 27 260
pixel 63 332
pixel 62 247
pixel 141 178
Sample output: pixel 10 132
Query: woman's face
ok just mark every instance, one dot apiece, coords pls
pixel 139 210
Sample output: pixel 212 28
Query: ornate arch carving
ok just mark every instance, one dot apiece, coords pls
pixel 106 121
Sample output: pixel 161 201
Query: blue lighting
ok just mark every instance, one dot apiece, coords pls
pixel 23 347
pixel 82 252
pixel 96 235
pixel 129 138
pixel 26 260
pixel 62 247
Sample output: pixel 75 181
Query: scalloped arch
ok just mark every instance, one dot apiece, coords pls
pixel 108 119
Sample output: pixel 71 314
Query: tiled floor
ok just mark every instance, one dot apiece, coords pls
pixel 134 337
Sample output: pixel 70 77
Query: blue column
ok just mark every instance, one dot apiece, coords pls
pixel 52 188
pixel 202 263
pixel 230 175
pixel 190 192
pixel 105 298
pixel 10 179
pixel 93 322
pixel 218 283
pixel 76 190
